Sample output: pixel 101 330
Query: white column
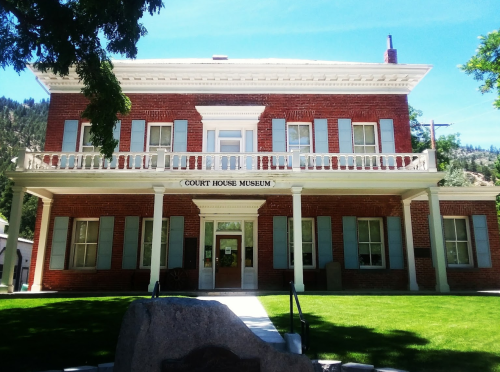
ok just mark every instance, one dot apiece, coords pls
pixel 436 230
pixel 412 275
pixel 10 251
pixel 42 245
pixel 156 244
pixel 298 267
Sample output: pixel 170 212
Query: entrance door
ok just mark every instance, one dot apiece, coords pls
pixel 228 261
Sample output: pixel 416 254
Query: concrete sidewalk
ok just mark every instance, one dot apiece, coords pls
pixel 252 313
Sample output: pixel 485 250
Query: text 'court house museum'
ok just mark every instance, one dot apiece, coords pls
pixel 248 174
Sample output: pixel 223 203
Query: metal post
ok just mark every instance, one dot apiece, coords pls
pixel 291 307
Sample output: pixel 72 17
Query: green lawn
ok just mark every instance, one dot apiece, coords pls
pixel 43 334
pixel 416 333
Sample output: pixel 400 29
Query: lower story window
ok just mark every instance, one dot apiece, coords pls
pixel 370 243
pixel 456 236
pixel 308 248
pixel 147 243
pixel 84 247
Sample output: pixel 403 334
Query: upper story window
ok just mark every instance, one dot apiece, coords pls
pixel 299 138
pixel 364 139
pixel 159 137
pixel 457 241
pixel 370 243
pixel 86 146
pixel 84 246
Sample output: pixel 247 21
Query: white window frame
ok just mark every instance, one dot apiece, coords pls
pixel 288 124
pixel 382 242
pixel 218 125
pixel 469 245
pixel 73 239
pixel 141 266
pixel 161 124
pixel 82 157
pixel 375 132
pixel 290 250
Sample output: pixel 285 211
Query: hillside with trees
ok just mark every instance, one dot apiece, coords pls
pixel 22 125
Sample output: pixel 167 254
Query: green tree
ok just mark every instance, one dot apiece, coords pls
pixel 455 176
pixel 56 35
pixel 484 66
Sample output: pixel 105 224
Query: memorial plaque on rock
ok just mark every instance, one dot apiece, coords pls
pixel 211 359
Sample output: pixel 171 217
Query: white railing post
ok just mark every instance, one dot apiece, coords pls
pixel 160 160
pixel 21 161
pixel 296 160
pixel 431 160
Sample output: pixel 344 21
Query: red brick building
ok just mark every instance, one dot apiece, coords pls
pixel 247 174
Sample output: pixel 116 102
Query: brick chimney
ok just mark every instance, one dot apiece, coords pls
pixel 391 55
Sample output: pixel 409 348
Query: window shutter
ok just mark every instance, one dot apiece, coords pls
pixel 431 229
pixel 116 136
pixel 482 241
pixel 69 142
pixel 137 141
pixel 59 238
pixel 345 140
pixel 325 253
pixel 395 243
pixel 130 242
pixel 280 243
pixel 180 141
pixel 349 229
pixel 387 139
pixel 176 242
pixel 105 245
pixel 321 139
pixel 249 147
pixel 279 140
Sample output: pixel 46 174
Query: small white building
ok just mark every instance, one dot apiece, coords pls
pixel 23 259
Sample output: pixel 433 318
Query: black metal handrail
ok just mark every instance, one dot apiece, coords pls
pixel 156 290
pixel 304 334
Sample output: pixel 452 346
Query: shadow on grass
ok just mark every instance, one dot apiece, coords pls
pixel 61 334
pixel 396 349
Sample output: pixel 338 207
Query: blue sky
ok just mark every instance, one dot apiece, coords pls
pixel 442 33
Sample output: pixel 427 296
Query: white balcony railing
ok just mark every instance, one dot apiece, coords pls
pixel 237 162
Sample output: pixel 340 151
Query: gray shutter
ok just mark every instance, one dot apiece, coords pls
pixel 431 229
pixel 395 240
pixel 180 141
pixel 280 243
pixel 325 253
pixel 321 139
pixel 345 140
pixel 116 136
pixel 137 141
pixel 105 245
pixel 176 242
pixel 387 139
pixel 130 242
pixel 349 228
pixel 482 240
pixel 69 142
pixel 279 139
pixel 59 239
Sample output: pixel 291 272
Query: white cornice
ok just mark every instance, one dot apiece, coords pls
pixel 245 207
pixel 230 112
pixel 252 76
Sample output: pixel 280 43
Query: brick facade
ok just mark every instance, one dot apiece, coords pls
pixel 95 206
pixel 170 107
pixel 294 108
